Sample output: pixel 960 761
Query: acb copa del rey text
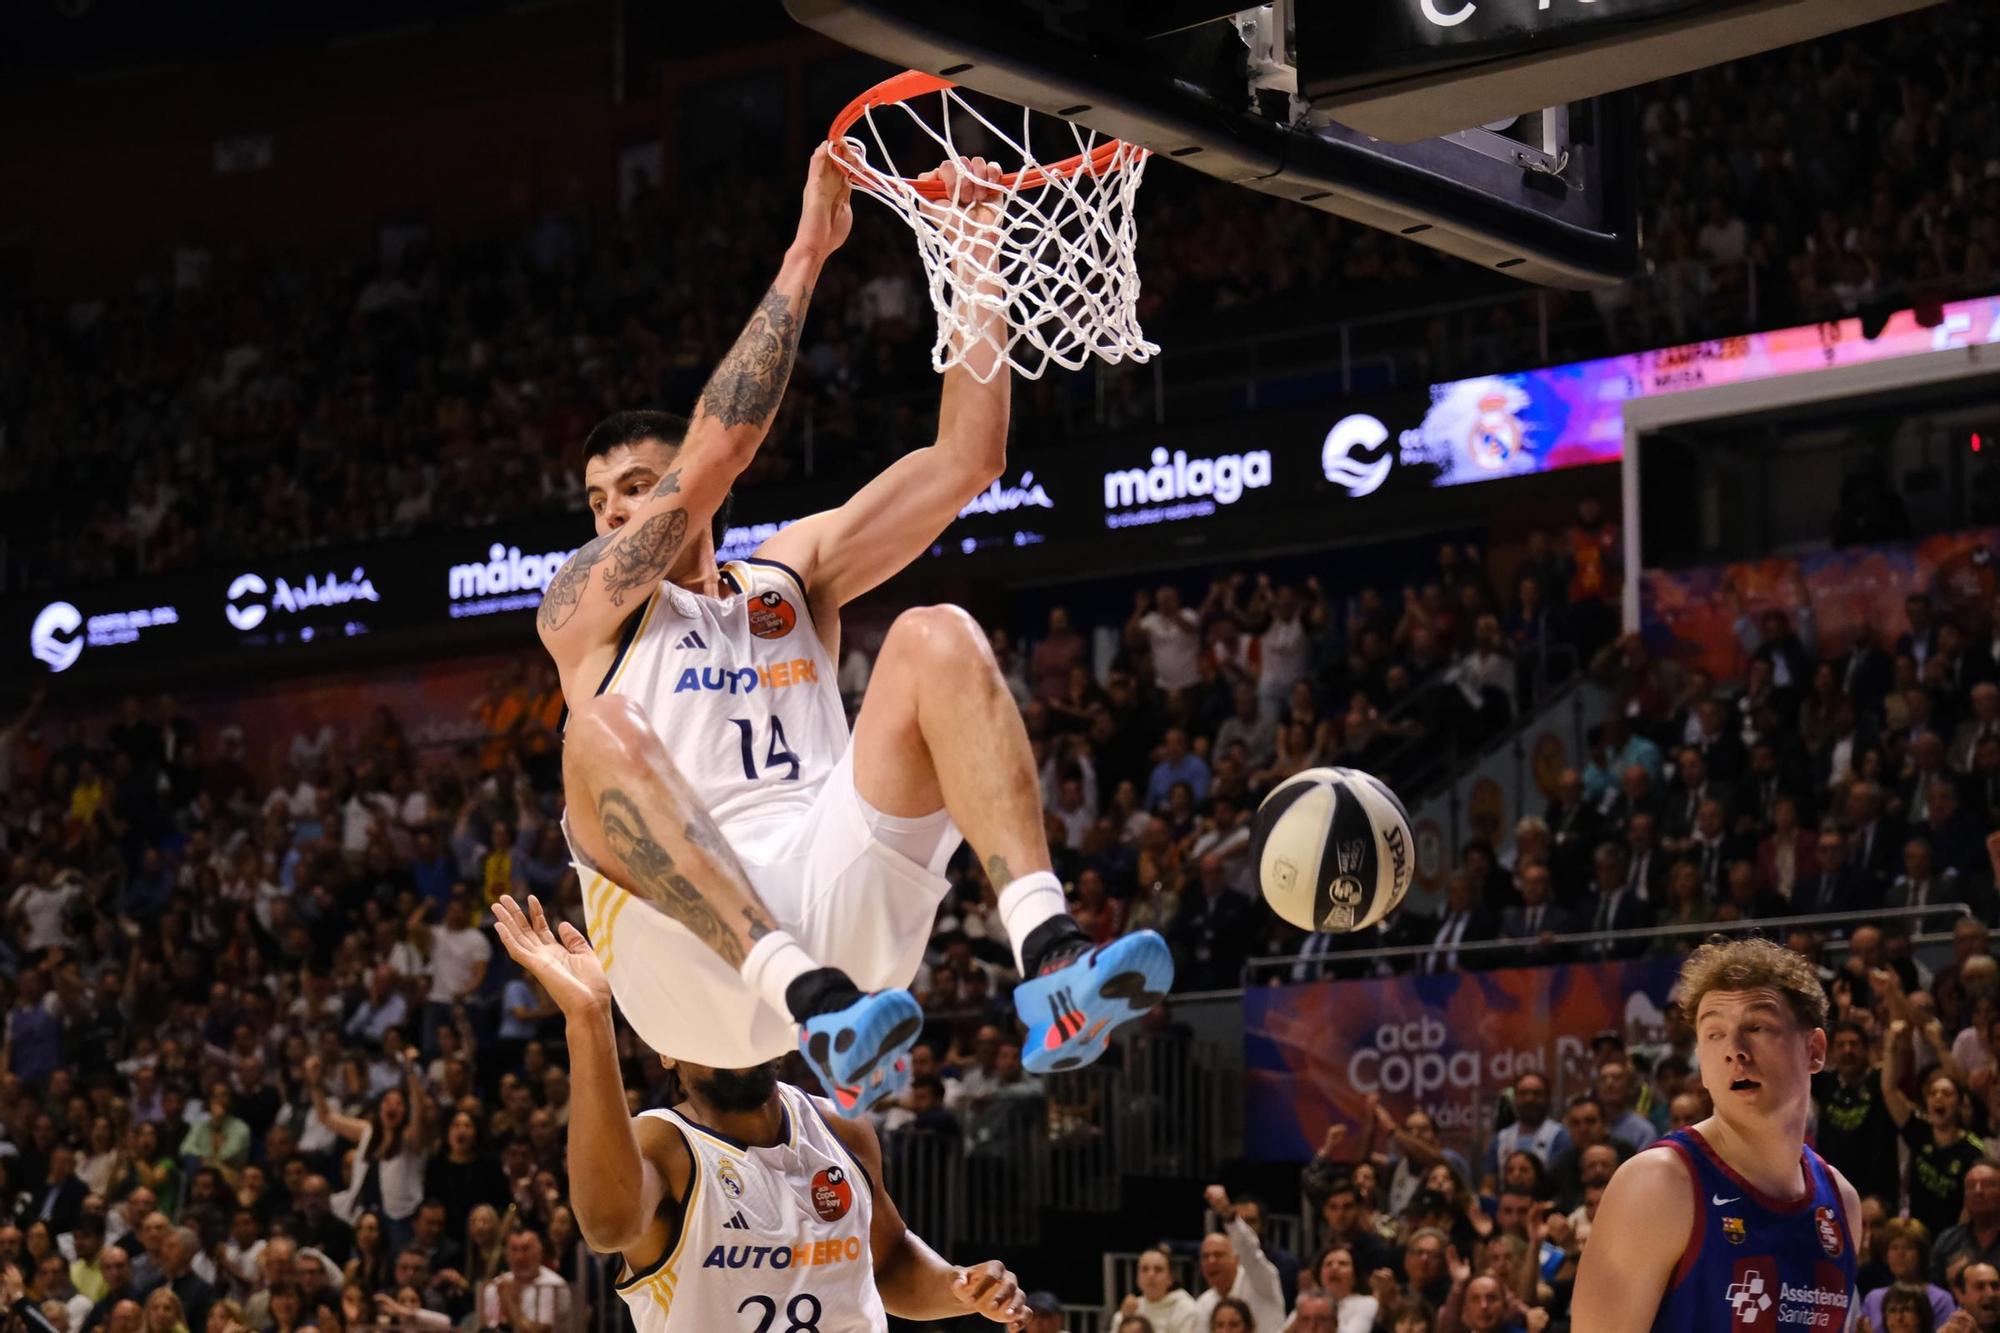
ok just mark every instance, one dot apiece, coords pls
pixel 1412 1060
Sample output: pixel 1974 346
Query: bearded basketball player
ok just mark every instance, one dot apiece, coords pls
pixel 741 1206
pixel 1767 1226
pixel 791 872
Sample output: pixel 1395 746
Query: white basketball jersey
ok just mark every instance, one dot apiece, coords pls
pixel 773 1239
pixel 744 695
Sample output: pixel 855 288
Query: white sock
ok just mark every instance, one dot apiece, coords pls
pixel 1026 903
pixel 773 964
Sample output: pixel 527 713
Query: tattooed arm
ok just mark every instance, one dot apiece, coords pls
pixel 742 396
pixel 591 597
pixel 842 553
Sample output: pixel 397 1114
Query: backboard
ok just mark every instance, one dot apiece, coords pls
pixel 1307 99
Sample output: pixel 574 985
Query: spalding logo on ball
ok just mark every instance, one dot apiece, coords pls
pixel 1333 849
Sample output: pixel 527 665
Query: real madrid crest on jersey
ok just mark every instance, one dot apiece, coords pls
pixel 1345 892
pixel 731 1179
pixel 771 616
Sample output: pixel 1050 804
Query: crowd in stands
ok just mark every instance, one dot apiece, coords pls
pixel 241 404
pixel 1412 1237
pixel 260 1055
pixel 258 1070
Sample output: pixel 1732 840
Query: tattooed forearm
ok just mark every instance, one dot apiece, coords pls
pixel 636 558
pixel 746 388
pixel 643 558
pixel 655 877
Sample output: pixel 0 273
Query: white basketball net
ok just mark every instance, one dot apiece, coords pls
pixel 1057 265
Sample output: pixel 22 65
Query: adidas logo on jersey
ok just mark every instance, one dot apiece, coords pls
pixel 691 640
pixel 736 1223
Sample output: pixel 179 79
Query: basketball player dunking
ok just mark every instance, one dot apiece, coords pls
pixel 791 871
pixel 1766 1225
pixel 741 1206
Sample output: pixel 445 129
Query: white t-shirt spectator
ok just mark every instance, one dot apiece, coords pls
pixel 1176 645
pixel 1725 242
pixel 42 907
pixel 456 955
pixel 358 817
pixel 1256 1284
pixel 310 752
pixel 544 1301
pixel 1282 657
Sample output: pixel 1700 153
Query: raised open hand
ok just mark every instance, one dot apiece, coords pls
pixel 560 959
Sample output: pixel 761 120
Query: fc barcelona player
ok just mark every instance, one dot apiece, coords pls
pixel 1732 1224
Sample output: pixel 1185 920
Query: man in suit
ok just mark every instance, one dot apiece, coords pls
pixel 1691 787
pixel 1926 762
pixel 1790 652
pixel 1982 784
pixel 1865 673
pixel 1720 745
pixel 1536 921
pixel 1636 795
pixel 60 1200
pixel 1464 920
pixel 1615 905
pixel 1874 840
pixel 196 1295
pixel 1211 932
pixel 1753 902
pixel 1984 722
pixel 1920 640
pixel 1574 826
pixel 1922 883
pixel 1958 841
pixel 1709 848
pixel 1645 863
pixel 1831 885
pixel 1759 791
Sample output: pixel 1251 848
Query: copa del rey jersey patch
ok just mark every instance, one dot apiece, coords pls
pixel 771 616
pixel 832 1195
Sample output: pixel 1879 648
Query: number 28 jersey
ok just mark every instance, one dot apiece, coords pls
pixel 743 694
pixel 772 1240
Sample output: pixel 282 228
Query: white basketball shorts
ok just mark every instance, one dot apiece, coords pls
pixel 858 889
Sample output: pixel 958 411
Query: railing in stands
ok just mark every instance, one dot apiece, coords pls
pixel 1166 1107
pixel 1442 738
pixel 1603 943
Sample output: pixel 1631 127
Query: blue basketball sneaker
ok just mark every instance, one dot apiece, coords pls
pixel 1081 995
pixel 857 1052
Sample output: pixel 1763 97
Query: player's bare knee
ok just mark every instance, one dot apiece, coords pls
pixel 607 734
pixel 942 640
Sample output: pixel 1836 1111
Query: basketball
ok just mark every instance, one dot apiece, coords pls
pixel 1333 850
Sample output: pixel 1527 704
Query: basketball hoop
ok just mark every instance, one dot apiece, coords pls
pixel 1056 262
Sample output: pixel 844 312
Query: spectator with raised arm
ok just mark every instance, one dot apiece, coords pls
pixel 1233 1265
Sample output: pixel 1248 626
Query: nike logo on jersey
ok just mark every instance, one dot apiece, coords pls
pixel 736 1223
pixel 743 680
pixel 691 640
pixel 1718 1200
